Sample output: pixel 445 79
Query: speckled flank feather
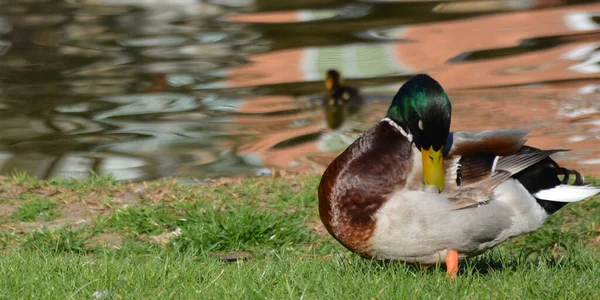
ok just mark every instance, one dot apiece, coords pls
pixel 359 181
pixel 415 226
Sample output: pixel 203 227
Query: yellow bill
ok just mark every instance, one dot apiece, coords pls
pixel 433 167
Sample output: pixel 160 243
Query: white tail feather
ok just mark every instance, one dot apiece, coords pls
pixel 567 193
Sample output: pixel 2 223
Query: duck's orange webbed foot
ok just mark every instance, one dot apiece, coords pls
pixel 451 264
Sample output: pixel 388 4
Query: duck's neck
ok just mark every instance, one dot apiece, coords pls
pixel 399 128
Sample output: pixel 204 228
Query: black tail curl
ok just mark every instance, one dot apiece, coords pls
pixel 547 174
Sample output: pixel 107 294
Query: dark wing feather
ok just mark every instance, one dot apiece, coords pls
pixel 473 169
pixel 522 160
pixel 478 175
pixel 497 142
pixel 475 194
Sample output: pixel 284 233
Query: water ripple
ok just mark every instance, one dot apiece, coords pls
pixel 147 89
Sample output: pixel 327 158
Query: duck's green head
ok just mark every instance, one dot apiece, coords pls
pixel 422 108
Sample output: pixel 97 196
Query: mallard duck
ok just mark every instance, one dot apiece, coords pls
pixel 409 189
pixel 340 100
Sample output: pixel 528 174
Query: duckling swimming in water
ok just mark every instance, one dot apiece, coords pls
pixel 340 100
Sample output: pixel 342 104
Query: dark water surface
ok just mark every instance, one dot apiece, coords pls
pixel 147 89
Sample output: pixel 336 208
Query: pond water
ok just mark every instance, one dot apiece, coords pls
pixel 146 89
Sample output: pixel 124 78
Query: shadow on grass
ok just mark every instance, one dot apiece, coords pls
pixel 528 259
pixel 492 262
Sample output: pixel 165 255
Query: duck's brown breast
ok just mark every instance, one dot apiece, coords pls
pixel 360 180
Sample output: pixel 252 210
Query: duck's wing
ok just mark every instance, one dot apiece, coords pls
pixel 471 179
pixel 496 142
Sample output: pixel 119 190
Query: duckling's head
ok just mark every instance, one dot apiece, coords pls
pixel 333 79
pixel 422 109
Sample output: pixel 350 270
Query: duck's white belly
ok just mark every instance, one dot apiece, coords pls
pixel 416 226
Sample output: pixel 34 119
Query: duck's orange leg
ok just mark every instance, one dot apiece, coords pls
pixel 452 264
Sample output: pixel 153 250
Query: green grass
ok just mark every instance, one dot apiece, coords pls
pixel 38 207
pixel 58 241
pixel 164 240
pixel 287 274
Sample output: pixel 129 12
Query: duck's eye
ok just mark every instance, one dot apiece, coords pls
pixel 421 125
